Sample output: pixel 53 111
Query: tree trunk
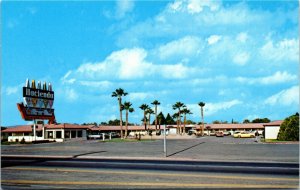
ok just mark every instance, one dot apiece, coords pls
pixel 145 121
pixel 155 118
pixel 180 128
pixel 184 122
pixel 121 121
pixel 202 127
pixel 177 125
pixel 126 129
pixel 149 122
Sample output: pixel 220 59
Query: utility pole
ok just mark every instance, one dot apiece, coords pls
pixel 165 142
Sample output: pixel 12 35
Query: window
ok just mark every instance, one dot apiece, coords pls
pixel 73 134
pixel 67 134
pixel 39 133
pixel 79 133
pixel 26 134
pixel 58 134
pixel 50 134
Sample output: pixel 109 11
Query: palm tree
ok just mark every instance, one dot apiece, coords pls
pixel 119 93
pixel 155 103
pixel 202 104
pixel 185 111
pixel 144 107
pixel 178 105
pixel 128 108
pixel 161 119
pixel 149 111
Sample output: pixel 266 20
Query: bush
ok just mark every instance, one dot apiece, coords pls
pixel 289 129
pixel 22 141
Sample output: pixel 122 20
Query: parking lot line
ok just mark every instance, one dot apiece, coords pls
pixel 144 184
pixel 151 173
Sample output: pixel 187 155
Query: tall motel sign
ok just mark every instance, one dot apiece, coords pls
pixel 37 103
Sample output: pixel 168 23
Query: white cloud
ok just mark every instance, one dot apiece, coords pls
pixel 287 49
pixel 187 46
pixel 252 117
pixel 123 7
pixel 97 84
pixel 242 37
pixel 126 64
pixel 176 6
pixel 177 71
pixel 241 58
pixel 67 81
pixel 11 90
pixel 123 64
pixel 71 95
pixel 138 96
pixel 196 6
pixel 212 108
pixel 213 39
pixel 276 78
pixel 285 97
pixel 193 6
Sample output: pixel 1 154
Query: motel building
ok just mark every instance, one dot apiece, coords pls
pixel 272 129
pixel 66 131
pixel 57 132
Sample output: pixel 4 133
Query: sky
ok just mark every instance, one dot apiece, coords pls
pixel 239 57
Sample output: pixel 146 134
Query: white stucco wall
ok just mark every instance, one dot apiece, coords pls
pixel 271 132
pixel 26 138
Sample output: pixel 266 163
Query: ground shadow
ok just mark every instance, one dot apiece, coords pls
pixel 185 149
pixel 75 156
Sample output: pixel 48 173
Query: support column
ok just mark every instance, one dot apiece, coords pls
pixel 34 130
pixel 43 131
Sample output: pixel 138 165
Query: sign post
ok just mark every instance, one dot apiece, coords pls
pixel 34 130
pixel 165 142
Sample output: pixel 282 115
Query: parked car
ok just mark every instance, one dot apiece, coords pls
pixel 212 133
pixel 192 132
pixel 114 134
pixel 226 133
pixel 95 136
pixel 219 134
pixel 243 134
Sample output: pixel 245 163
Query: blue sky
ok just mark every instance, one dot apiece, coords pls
pixel 239 57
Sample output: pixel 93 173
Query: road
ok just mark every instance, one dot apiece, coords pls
pixel 207 148
pixel 207 162
pixel 78 173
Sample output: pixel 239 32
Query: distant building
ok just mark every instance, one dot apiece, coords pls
pixel 57 132
pixel 272 129
pixel 233 127
pixel 65 131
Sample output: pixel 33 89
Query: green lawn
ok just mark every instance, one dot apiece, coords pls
pixel 272 140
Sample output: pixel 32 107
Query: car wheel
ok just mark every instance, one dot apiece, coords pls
pixel 239 136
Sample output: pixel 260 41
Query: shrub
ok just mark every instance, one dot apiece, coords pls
pixel 289 129
pixel 22 141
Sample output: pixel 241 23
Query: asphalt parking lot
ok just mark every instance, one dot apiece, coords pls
pixel 203 148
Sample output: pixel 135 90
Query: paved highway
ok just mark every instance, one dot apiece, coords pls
pixel 207 162
pixel 78 173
